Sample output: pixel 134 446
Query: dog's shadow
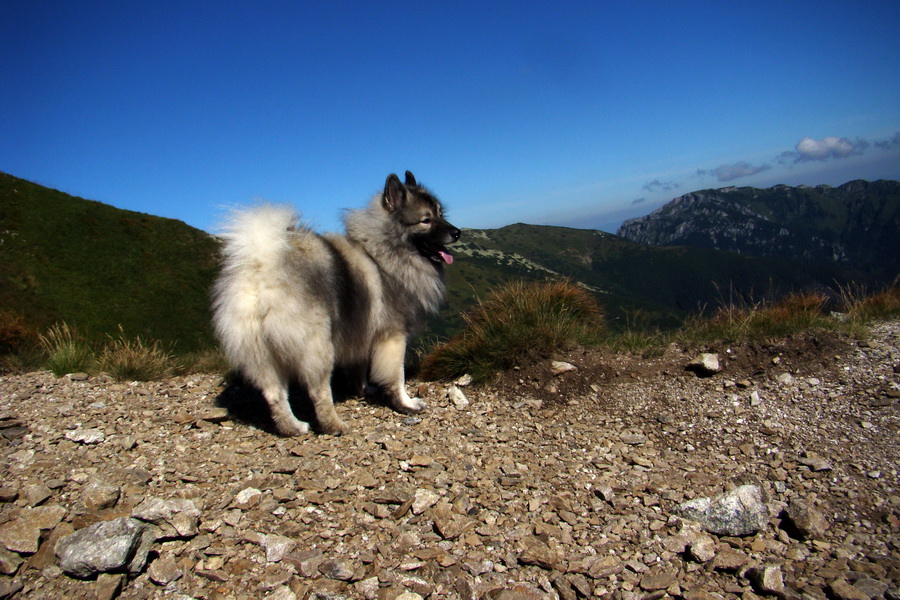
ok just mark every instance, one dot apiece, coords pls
pixel 246 404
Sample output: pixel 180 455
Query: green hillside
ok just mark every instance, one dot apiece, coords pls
pixel 64 258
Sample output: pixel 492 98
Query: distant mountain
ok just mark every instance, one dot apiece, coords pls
pixel 94 266
pixel 856 224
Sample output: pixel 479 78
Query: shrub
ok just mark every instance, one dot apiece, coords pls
pixel 136 359
pixel 14 333
pixel 19 348
pixel 67 351
pixel 518 323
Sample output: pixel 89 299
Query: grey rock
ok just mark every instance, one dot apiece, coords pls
pixel 785 379
pixel 815 462
pixel 306 562
pixel 558 367
pixel 464 381
pixel 177 518
pixel 703 549
pixel 282 592
pixel 118 545
pixel 519 591
pixel 458 398
pixel 705 364
pixel 423 500
pixel 88 437
pixel 739 512
pixel 367 588
pixel 633 439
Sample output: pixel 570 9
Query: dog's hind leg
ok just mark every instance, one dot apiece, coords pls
pixel 274 388
pixel 315 372
pixel 387 373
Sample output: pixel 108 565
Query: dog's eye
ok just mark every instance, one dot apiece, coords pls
pixel 426 221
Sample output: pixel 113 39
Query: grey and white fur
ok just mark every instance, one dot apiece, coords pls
pixel 291 305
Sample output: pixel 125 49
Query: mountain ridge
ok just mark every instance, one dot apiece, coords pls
pixel 857 223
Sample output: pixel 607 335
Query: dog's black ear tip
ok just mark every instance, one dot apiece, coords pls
pixel 411 179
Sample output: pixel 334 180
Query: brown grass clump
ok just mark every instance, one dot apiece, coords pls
pixel 136 359
pixel 517 324
pixel 882 305
pixel 732 323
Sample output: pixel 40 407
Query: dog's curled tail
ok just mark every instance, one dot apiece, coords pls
pixel 257 236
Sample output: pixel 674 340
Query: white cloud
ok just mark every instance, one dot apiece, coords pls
pixel 830 147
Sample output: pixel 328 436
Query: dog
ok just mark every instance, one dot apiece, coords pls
pixel 292 306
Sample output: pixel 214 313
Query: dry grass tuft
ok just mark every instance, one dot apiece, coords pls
pixel 137 359
pixel 517 324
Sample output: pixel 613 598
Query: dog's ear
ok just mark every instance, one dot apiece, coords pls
pixel 394 194
pixel 411 179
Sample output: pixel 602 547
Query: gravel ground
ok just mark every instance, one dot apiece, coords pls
pixel 541 485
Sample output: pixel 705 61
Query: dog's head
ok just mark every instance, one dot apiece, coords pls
pixel 421 216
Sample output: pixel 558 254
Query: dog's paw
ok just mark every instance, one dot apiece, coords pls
pixel 411 406
pixel 294 428
pixel 335 427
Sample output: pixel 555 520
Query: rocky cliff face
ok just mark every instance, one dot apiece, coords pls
pixel 857 223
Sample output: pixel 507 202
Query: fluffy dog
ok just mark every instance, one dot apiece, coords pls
pixel 291 305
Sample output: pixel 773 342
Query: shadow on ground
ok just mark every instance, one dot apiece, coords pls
pixel 246 404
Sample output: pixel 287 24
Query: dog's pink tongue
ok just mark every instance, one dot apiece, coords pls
pixel 448 258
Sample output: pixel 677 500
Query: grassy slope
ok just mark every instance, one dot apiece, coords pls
pixel 95 266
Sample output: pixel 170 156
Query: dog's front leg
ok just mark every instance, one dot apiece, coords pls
pixel 387 373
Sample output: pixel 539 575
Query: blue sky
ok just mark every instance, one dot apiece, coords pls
pixel 570 113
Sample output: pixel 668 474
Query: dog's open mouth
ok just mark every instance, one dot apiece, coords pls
pixel 438 254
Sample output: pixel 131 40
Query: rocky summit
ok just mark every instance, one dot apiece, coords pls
pixel 617 477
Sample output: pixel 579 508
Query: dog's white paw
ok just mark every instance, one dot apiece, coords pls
pixel 411 406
